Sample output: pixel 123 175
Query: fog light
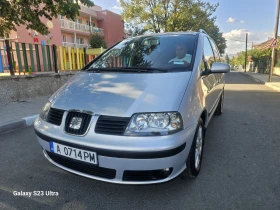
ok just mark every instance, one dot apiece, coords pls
pixel 165 172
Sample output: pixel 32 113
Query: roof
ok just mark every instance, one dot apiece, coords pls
pixel 265 45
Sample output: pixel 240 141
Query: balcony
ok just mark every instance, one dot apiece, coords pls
pixel 71 25
pixel 69 44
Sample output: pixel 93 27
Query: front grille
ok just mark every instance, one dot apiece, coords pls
pixel 83 167
pixel 111 125
pixel 151 175
pixel 55 116
pixel 81 130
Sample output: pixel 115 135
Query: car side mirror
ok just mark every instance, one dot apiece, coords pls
pixel 220 68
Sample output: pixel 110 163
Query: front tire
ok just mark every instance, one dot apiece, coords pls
pixel 195 155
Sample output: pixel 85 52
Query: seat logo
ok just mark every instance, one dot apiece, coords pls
pixel 76 123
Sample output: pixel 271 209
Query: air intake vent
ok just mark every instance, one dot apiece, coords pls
pixel 111 125
pixel 77 123
pixel 146 175
pixel 83 167
pixel 55 116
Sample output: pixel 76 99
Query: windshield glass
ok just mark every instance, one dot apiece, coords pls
pixel 157 52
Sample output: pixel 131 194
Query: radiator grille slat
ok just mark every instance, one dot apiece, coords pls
pixel 111 125
pixel 55 116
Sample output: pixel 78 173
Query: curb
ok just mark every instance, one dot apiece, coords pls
pixel 17 124
pixel 274 86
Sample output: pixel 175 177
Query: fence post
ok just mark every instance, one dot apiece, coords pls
pixel 85 56
pixel 1 63
pixel 54 58
pixel 8 48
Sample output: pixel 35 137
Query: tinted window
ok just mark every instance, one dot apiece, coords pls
pixel 163 51
pixel 208 53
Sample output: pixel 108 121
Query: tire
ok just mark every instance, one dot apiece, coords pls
pixel 219 108
pixel 194 164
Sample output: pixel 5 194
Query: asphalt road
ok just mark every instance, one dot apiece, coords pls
pixel 240 170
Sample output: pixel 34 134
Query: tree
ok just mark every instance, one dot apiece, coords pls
pixel 227 59
pixel 96 41
pixel 29 12
pixel 174 15
pixel 135 30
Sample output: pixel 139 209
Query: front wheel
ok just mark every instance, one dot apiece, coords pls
pixel 195 156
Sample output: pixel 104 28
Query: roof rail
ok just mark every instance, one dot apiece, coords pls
pixel 202 31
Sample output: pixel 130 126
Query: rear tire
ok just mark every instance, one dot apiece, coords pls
pixel 219 109
pixel 195 155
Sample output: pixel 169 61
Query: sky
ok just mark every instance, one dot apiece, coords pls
pixel 235 18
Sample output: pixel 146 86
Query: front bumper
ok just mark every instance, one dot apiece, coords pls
pixel 172 153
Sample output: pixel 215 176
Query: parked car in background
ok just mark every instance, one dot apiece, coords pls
pixel 236 67
pixel 138 113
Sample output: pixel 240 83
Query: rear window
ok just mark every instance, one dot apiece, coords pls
pixel 163 51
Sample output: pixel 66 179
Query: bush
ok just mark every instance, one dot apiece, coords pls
pixel 97 41
pixel 278 63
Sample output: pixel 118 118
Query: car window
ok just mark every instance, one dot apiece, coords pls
pixel 161 51
pixel 216 51
pixel 208 53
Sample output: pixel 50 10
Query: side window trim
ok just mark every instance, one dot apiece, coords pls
pixel 205 61
pixel 215 49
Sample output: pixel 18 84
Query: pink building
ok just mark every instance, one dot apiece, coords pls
pixel 76 33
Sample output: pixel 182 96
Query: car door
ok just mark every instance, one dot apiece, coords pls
pixel 209 80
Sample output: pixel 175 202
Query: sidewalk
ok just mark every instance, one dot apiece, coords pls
pixel 20 114
pixel 263 78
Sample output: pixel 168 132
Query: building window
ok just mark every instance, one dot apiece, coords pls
pixel 73 39
pixel 79 20
pixel 92 23
pixel 80 41
pixel 63 38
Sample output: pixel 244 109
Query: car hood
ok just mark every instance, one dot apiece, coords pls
pixel 122 94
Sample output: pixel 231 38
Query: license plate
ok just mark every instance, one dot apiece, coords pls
pixel 74 153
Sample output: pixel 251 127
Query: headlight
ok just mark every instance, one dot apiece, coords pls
pixel 45 110
pixel 150 124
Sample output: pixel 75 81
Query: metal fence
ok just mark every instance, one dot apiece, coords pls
pixel 27 58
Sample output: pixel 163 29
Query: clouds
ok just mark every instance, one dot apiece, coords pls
pixel 117 7
pixel 233 20
pixel 236 39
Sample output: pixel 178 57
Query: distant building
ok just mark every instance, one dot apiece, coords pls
pixel 264 45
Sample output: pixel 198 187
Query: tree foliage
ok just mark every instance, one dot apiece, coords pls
pixel 29 12
pixel 135 30
pixel 96 41
pixel 174 15
pixel 258 55
pixel 227 59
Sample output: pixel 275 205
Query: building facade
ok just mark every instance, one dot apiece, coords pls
pixel 64 32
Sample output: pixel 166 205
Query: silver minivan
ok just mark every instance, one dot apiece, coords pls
pixel 137 114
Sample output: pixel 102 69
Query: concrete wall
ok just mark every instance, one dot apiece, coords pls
pixel 20 88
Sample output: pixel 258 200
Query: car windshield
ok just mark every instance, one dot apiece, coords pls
pixel 162 52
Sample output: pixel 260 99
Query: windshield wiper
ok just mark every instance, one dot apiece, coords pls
pixel 144 69
pixel 127 69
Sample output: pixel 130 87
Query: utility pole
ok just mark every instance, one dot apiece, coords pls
pixel 275 37
pixel 246 51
